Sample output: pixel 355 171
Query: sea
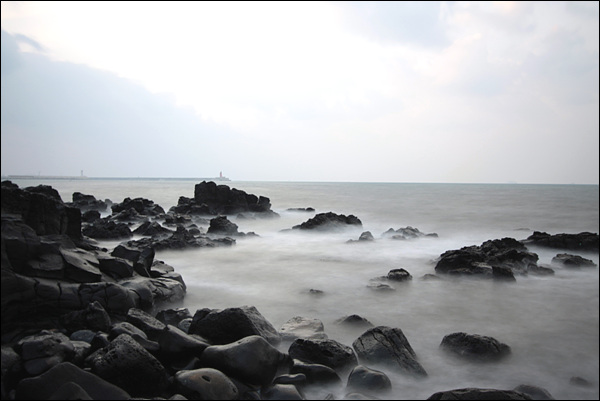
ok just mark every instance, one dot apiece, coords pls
pixel 550 322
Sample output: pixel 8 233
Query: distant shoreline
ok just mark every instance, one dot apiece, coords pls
pixel 62 177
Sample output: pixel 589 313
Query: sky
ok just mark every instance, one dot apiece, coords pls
pixel 469 92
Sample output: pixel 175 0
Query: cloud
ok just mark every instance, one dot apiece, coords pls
pixel 60 118
pixel 407 23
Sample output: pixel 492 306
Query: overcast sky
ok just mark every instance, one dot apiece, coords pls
pixel 388 92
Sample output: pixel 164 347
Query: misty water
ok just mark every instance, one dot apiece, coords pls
pixel 550 322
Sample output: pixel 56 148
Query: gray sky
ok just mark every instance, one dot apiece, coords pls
pixel 393 92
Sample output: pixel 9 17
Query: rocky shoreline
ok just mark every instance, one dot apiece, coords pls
pixel 80 321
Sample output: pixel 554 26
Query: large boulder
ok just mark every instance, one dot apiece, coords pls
pixel 126 364
pixel 475 347
pixel 251 360
pixel 205 384
pixel 107 229
pixel 42 351
pixel 370 381
pixel 44 387
pixel 326 352
pixel 220 199
pixel 389 347
pixel 329 221
pixel 302 327
pixel 228 325
pixel 584 241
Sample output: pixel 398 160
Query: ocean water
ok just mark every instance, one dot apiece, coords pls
pixel 550 323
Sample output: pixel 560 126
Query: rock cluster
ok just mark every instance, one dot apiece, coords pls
pixel 329 221
pixel 212 199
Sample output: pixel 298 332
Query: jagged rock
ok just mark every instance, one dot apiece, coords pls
pixel 44 386
pixel 181 239
pixel 106 229
pixel 503 274
pixel 584 241
pixel 407 232
pixel 329 221
pixel 145 322
pixel 480 260
pixel 368 380
pixel 475 347
pixel 478 394
pixel 205 384
pixel 42 351
pixel 152 228
pixel 88 203
pixel 221 225
pixel 573 261
pixel 388 346
pixel 251 360
pixel 228 325
pixel 142 206
pixel 301 327
pixel 126 364
pixel 220 199
pixel 328 352
pixel 142 259
pixel 90 216
pixel 93 317
pixel 117 268
pixel 364 237
pixel 42 209
pixel 173 316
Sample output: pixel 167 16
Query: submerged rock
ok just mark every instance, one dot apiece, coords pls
pixel 573 261
pixel 302 327
pixel 479 394
pixel 584 241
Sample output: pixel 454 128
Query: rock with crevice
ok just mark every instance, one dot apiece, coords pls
pixel 389 347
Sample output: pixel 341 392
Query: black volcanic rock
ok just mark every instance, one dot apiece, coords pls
pixel 142 206
pixel 584 241
pixel 232 324
pixel 407 232
pixel 480 261
pixel 573 261
pixel 329 221
pixel 388 346
pixel 42 209
pixel 88 202
pixel 221 225
pixel 475 347
pixel 220 199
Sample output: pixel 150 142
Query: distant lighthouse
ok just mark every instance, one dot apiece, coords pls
pixel 220 174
